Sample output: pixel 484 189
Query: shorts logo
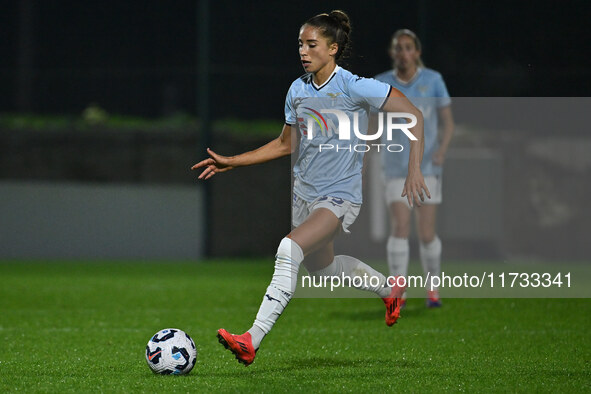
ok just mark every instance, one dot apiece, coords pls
pixel 335 201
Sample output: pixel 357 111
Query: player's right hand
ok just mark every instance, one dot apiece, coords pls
pixel 415 188
pixel 214 164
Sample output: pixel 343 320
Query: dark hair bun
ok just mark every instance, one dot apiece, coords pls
pixel 343 19
pixel 336 27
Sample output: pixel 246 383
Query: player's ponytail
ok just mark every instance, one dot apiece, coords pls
pixel 336 27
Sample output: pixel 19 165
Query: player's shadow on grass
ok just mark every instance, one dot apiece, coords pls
pixel 413 309
pixel 357 367
pixel 339 362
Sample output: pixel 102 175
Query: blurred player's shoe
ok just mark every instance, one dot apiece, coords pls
pixel 239 345
pixel 433 300
pixel 393 302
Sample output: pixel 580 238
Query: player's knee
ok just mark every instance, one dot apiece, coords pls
pixel 287 264
pixel 426 236
pixel 289 249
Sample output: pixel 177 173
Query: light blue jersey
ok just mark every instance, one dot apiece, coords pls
pixel 428 93
pixel 330 172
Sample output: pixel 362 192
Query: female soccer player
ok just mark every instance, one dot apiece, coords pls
pixel 327 184
pixel 428 92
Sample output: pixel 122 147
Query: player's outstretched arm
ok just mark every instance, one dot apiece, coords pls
pixel 414 186
pixel 279 147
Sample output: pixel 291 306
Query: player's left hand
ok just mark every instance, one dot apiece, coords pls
pixel 415 188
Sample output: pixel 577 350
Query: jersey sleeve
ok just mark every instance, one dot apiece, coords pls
pixel 370 91
pixel 443 99
pixel 290 113
pixel 380 77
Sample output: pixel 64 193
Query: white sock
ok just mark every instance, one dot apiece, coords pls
pixel 431 259
pixel 351 267
pixel 279 292
pixel 398 254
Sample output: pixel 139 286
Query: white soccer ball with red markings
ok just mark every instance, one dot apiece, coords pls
pixel 171 352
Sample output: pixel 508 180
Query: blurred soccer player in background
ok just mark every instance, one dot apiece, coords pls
pixel 327 186
pixel 426 89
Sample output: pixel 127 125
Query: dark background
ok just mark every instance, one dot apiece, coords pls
pixel 141 57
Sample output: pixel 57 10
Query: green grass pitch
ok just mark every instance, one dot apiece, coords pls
pixel 73 327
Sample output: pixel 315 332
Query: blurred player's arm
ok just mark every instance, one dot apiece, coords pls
pixel 279 147
pixel 415 183
pixel 447 130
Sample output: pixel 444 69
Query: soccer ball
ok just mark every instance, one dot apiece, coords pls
pixel 171 351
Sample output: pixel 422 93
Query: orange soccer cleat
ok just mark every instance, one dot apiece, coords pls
pixel 394 302
pixel 239 345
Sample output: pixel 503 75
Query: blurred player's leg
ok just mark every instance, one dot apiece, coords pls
pixel 429 249
pixel 398 250
pixel 398 256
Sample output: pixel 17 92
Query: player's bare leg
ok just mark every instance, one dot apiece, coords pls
pixel 400 215
pixel 316 232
